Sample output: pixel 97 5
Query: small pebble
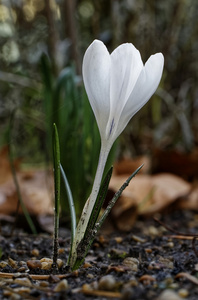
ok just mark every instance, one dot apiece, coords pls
pixel 3 264
pixel 132 263
pixel 170 295
pixel 117 269
pixel 35 252
pixel 153 231
pixel 107 283
pixel 86 287
pixel 148 250
pixel 171 245
pixel 91 276
pixel 118 253
pixel 118 239
pixel 174 286
pixel 138 239
pixel 183 293
pixel 23 266
pixel 46 259
pixel 154 266
pixel 61 250
pixel 22 290
pixel 12 263
pixel 87 265
pixel 59 263
pixel 23 281
pixel 61 286
pixel 22 263
pixel 33 264
pixel 46 265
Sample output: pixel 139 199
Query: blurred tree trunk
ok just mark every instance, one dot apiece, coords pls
pixel 69 7
pixel 52 36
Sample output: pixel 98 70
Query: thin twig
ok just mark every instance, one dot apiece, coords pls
pixel 175 231
pixel 34 276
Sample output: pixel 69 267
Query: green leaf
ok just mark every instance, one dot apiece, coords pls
pixel 56 158
pixel 71 204
pixel 99 201
pixel 87 241
pixel 114 199
pixel 90 233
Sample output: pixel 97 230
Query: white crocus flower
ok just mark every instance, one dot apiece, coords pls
pixel 117 85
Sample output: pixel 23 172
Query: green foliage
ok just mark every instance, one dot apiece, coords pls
pixel 71 204
pixel 56 164
pixel 95 222
pixel 66 104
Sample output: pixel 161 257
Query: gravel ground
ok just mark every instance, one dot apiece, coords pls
pixel 146 264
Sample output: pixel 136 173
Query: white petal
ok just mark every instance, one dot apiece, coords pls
pixel 96 76
pixel 126 65
pixel 145 87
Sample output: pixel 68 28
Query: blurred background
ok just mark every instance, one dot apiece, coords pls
pixel 42 44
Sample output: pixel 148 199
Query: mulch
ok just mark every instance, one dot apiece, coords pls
pixel 147 263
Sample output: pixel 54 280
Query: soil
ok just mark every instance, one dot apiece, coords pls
pixel 147 263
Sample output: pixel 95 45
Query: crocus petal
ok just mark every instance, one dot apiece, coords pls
pixel 144 88
pixel 96 76
pixel 126 65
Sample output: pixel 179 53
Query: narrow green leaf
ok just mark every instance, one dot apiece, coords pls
pixel 89 236
pixel 86 243
pixel 114 199
pixel 56 158
pixel 71 204
pixel 99 201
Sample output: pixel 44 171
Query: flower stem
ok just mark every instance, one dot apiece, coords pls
pixel 87 210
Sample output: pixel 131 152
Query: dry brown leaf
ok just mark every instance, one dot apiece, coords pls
pixel 34 190
pixel 128 166
pixel 146 195
pixel 191 202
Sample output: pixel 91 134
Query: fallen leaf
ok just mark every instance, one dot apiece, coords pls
pixel 34 190
pixel 128 166
pixel 36 187
pixel 146 195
